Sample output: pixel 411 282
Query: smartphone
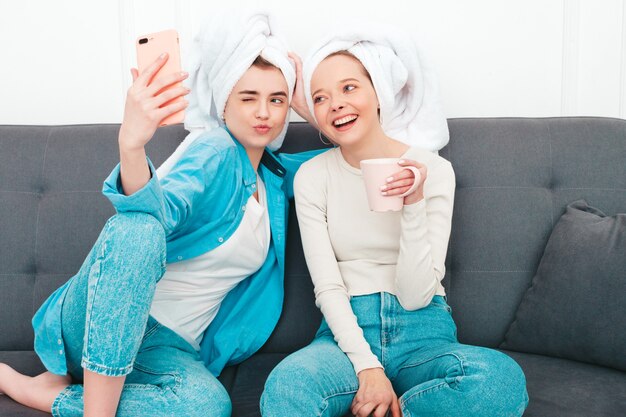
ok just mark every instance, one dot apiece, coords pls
pixel 149 48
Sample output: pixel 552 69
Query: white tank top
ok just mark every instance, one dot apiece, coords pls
pixel 188 296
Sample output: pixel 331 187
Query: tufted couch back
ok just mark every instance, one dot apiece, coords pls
pixel 514 178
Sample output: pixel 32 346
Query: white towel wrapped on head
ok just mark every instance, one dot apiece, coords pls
pixel 223 50
pixel 410 107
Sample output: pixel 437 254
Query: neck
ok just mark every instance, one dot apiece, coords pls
pixel 254 155
pixel 376 144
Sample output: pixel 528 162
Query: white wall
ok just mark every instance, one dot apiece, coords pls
pixel 67 61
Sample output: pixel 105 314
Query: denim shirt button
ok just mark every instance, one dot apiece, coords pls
pixel 243 208
pixel 60 342
pixel 253 186
pixel 180 258
pixel 221 239
pixel 60 352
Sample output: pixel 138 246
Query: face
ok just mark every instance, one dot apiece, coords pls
pixel 344 100
pixel 256 109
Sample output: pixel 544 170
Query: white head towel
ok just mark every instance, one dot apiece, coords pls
pixel 222 52
pixel 408 95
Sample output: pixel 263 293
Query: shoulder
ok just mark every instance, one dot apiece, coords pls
pixel 206 153
pixel 319 165
pixel 214 146
pixel 311 180
pixel 434 163
pixel 217 139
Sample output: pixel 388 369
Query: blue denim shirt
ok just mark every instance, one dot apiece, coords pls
pixel 200 204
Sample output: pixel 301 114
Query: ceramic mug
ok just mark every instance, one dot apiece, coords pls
pixel 375 173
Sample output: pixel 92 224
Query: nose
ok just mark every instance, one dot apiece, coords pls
pixel 262 111
pixel 336 105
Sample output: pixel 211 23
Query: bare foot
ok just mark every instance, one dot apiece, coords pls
pixel 37 392
pixel 3 377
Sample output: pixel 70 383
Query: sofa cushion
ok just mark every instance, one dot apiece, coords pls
pixel 560 387
pixel 582 270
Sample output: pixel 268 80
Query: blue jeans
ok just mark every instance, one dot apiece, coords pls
pixel 432 373
pixel 107 330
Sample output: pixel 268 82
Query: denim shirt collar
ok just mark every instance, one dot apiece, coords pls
pixel 268 160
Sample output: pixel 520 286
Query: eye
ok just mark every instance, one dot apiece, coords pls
pixel 277 100
pixel 245 99
pixel 349 87
pixel 318 99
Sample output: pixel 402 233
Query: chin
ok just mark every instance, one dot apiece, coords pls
pixel 259 141
pixel 347 138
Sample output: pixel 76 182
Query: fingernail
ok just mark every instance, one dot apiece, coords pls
pixel 401 161
pixel 389 179
pixel 383 187
pixel 384 193
pixel 163 55
pixel 184 74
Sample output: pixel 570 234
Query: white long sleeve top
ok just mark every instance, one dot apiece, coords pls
pixel 352 251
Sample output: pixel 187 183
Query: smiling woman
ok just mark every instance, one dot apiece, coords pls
pixel 345 103
pixel 387 345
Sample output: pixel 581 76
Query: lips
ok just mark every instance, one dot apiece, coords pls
pixel 345 122
pixel 262 129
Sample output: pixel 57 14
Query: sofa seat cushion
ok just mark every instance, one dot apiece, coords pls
pixel 575 306
pixel 565 388
pixel 249 381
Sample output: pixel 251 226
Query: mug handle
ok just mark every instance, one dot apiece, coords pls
pixel 418 177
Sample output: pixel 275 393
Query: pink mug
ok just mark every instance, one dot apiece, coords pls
pixel 375 173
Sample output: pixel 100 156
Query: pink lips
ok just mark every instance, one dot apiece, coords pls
pixel 262 129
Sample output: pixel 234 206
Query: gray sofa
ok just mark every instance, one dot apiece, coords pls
pixel 514 178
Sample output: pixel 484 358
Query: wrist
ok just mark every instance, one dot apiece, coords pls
pixel 414 198
pixel 370 372
pixel 128 142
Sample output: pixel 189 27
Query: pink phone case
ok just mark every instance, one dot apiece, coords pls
pixel 149 48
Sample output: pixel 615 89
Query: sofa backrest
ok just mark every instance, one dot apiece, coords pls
pixel 52 211
pixel 514 178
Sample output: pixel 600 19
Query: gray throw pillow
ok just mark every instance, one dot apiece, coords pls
pixel 576 305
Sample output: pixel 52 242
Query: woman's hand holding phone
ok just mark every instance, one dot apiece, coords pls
pixel 155 99
pixel 149 102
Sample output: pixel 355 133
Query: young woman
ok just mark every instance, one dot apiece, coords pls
pixel 387 330
pixel 187 277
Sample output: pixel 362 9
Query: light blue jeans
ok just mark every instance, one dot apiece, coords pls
pixel 107 330
pixel 432 373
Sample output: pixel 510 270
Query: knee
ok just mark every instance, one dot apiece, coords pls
pixel 503 383
pixel 217 400
pixel 205 398
pixel 218 404
pixel 276 386
pixel 285 384
pixel 136 226
pixel 136 233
